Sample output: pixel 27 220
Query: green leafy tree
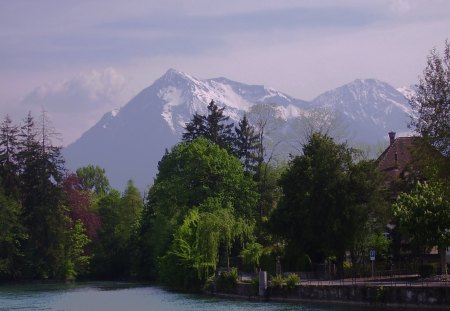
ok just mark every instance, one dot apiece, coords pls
pixel 431 102
pixel 116 246
pixel 104 249
pixel 93 178
pixel 199 175
pixel 76 262
pixel 12 238
pixel 251 254
pixel 327 200
pixel 425 215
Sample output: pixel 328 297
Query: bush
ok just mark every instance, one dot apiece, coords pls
pixel 277 281
pixel 227 280
pixel 292 280
pixel 427 270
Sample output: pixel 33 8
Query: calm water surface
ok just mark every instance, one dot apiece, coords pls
pixel 127 296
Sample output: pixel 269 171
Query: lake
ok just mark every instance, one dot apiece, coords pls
pixel 130 297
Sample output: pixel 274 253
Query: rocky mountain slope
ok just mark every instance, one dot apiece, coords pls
pixel 129 142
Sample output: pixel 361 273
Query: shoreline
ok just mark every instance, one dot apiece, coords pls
pixel 384 296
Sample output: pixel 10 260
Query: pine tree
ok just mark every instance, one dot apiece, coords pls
pixel 214 126
pixel 195 128
pixel 41 171
pixel 8 157
pixel 246 145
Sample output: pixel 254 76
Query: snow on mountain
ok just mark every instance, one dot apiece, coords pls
pixel 129 142
pixel 370 108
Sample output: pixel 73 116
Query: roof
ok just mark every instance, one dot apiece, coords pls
pixel 396 157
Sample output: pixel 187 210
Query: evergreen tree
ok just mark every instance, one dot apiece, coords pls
pixel 246 145
pixel 214 126
pixel 328 200
pixel 195 128
pixel 9 146
pixel 41 171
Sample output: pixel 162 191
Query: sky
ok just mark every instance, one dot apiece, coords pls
pixel 77 60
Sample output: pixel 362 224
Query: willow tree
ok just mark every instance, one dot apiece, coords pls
pixel 197 175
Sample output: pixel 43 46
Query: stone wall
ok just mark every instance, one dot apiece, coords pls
pixel 423 296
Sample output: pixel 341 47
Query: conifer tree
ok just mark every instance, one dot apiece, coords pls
pixel 9 146
pixel 214 126
pixel 246 145
pixel 41 171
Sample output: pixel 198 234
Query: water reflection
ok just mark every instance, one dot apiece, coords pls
pixel 113 296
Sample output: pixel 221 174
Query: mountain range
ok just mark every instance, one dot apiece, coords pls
pixel 128 142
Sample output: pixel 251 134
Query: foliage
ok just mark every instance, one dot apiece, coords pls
pixel 251 254
pixel 93 178
pixel 432 102
pixel 214 126
pixel 76 261
pixel 328 200
pixel 200 204
pixel 425 215
pixel 12 237
pixel 116 247
pixel 428 269
pixel 80 205
pixel 227 280
pixel 246 145
pixel 292 280
pixel 277 281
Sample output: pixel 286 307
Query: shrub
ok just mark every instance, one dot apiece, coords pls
pixel 427 270
pixel 292 280
pixel 227 280
pixel 277 281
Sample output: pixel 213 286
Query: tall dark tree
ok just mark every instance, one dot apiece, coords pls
pixel 9 148
pixel 41 171
pixel 246 145
pixel 215 126
pixel 327 200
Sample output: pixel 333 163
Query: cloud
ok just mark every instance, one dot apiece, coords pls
pixel 75 105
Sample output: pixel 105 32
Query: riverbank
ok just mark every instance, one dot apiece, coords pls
pixel 416 296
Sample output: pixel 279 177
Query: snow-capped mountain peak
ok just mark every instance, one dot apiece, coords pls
pixel 129 142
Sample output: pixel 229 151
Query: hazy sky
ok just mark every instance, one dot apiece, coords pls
pixel 80 59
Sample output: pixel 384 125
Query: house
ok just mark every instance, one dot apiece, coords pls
pixel 396 161
pixel 396 165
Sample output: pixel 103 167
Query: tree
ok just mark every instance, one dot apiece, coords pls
pixel 105 262
pixel 214 126
pixel 327 200
pixel 246 145
pixel 45 217
pixel 431 102
pixel 12 238
pixel 199 175
pixel 425 215
pixel 93 178
pixel 80 205
pixel 9 148
pixel 116 246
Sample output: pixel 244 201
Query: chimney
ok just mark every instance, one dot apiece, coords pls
pixel 391 137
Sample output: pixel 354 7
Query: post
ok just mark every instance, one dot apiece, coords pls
pixel 372 254
pixel 262 283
